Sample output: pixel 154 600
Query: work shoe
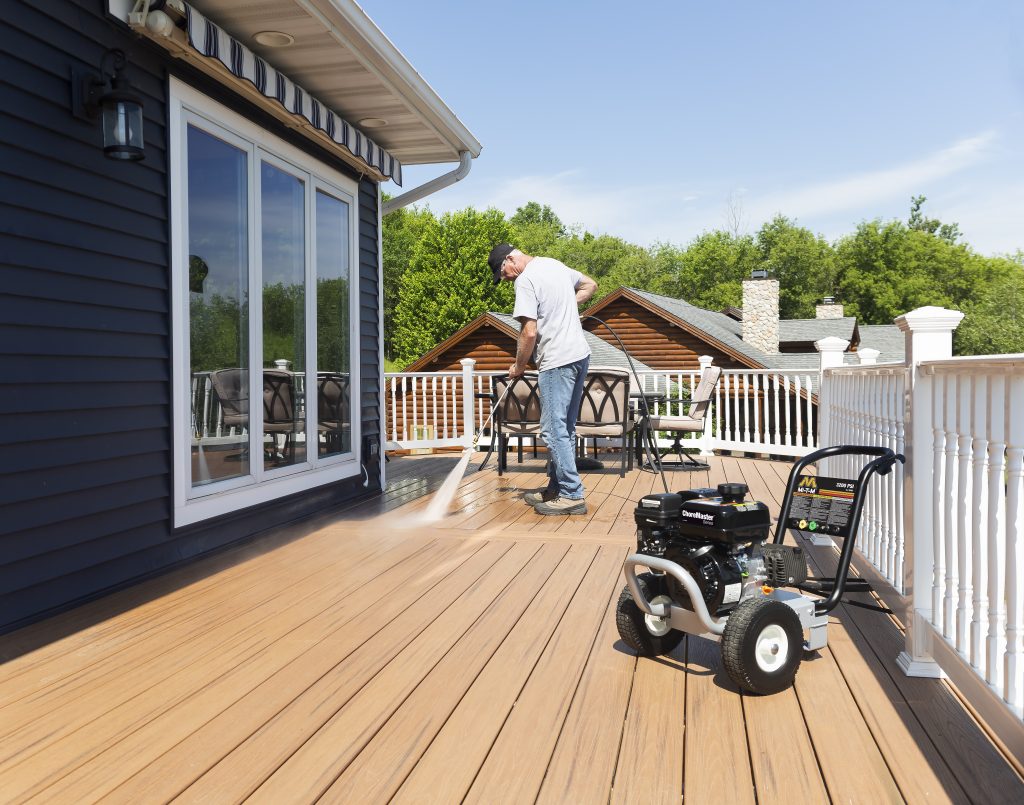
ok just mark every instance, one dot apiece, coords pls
pixel 561 506
pixel 533 498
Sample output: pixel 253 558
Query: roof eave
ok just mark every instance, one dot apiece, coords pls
pixel 352 28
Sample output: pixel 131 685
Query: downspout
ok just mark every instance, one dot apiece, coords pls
pixel 424 190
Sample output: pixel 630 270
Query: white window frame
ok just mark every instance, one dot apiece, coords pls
pixel 193 505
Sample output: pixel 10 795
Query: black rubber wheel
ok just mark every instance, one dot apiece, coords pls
pixel 647 636
pixel 762 645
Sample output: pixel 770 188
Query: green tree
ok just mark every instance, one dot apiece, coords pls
pixel 994 321
pixel 597 256
pixel 887 269
pixel 449 283
pixel 933 226
pixel 536 229
pixel 401 232
pixel 710 271
pixel 802 262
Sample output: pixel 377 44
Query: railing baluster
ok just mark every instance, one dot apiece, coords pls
pixel 787 420
pixel 963 532
pixel 757 409
pixel 404 416
pixel 720 413
pixel 1014 685
pixel 798 427
pixel 950 519
pixel 938 498
pixel 995 643
pixel 746 409
pixel 776 430
pixel 979 506
pixel 898 480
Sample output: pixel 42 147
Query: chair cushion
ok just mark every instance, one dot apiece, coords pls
pixel 684 423
pixel 603 430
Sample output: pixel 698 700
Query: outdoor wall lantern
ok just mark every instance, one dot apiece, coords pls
pixel 111 95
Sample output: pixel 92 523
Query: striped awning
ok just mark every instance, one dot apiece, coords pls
pixel 212 42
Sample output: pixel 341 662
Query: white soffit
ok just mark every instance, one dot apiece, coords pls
pixel 340 56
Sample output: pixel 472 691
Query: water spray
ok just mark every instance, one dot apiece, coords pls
pixel 443 497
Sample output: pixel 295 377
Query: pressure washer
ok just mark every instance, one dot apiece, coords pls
pixel 711 567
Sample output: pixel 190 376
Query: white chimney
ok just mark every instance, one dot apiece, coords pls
pixel 761 312
pixel 828 309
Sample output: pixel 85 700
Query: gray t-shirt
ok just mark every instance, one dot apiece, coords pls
pixel 546 291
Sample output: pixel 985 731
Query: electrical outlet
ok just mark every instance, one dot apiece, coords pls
pixel 371 447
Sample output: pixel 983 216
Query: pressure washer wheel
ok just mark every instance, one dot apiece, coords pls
pixel 646 634
pixel 762 645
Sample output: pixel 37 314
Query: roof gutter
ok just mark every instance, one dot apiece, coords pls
pixel 426 189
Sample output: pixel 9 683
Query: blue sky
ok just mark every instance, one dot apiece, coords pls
pixel 651 120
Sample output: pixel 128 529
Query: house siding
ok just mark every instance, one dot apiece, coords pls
pixel 85 341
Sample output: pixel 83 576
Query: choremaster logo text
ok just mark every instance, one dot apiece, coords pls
pixel 703 516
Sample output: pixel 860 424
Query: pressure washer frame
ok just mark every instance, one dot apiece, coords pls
pixel 813 612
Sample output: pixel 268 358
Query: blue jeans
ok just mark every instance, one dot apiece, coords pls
pixel 561 390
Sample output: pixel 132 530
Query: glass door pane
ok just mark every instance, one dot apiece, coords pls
pixel 283 240
pixel 218 283
pixel 333 265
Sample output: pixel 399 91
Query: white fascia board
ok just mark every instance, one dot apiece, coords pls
pixel 350 25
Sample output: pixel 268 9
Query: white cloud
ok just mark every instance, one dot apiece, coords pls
pixel 861 192
pixel 676 212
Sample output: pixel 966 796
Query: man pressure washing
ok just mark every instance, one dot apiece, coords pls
pixel 548 295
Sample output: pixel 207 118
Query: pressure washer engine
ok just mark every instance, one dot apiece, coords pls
pixel 713 569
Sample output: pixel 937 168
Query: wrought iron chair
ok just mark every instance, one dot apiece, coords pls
pixel 279 415
pixel 605 411
pixel 690 422
pixel 232 389
pixel 518 416
pixel 334 411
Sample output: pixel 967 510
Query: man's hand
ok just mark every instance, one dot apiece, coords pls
pixel 514 371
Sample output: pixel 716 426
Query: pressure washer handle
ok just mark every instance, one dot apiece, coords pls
pixel 882 465
pixel 886 458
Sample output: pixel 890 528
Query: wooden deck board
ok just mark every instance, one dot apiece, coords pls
pixel 350 659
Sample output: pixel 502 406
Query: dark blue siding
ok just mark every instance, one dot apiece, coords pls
pixel 85 342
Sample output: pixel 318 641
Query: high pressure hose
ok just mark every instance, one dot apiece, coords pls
pixel 651 455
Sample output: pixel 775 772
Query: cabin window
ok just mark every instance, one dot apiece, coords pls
pixel 264 302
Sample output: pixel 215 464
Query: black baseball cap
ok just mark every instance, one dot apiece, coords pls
pixel 498 255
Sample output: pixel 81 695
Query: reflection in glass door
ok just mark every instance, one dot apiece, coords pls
pixel 218 281
pixel 283 235
pixel 334 402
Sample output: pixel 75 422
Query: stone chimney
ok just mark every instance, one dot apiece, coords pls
pixel 761 312
pixel 828 309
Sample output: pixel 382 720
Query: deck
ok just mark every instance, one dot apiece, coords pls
pixel 352 659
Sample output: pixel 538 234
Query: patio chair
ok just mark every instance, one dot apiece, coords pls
pixel 605 412
pixel 690 422
pixel 518 416
pixel 334 411
pixel 232 389
pixel 279 410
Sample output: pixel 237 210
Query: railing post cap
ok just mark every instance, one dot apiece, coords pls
pixel 831 344
pixel 468 362
pixel 868 355
pixel 705 361
pixel 930 319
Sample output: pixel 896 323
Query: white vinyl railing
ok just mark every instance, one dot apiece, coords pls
pixel 752 411
pixel 863 405
pixel 977 557
pixel 943 537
